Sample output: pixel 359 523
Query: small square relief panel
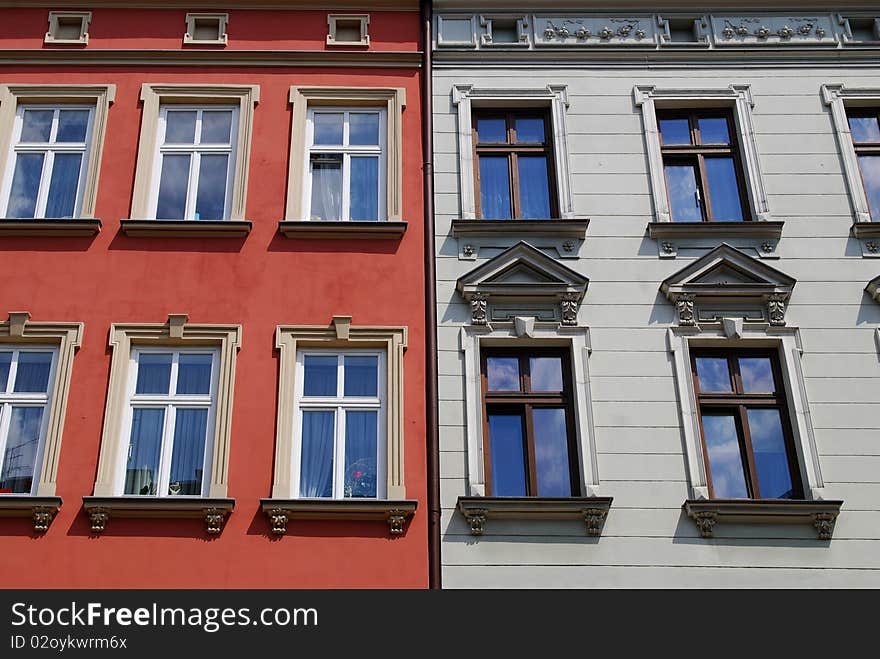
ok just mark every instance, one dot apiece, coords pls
pixel 206 29
pixel 348 30
pixel 68 27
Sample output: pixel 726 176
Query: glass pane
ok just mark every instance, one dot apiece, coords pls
pixel 723 190
pixel 360 454
pixel 180 127
pixel 871 176
pixel 361 375
pixel 675 131
pixel 328 127
pixel 864 129
pixel 36 125
pixel 551 453
pixel 363 128
pixel 173 188
pixel 153 373
pixel 33 372
pixel 508 455
pixel 64 185
pixel 546 373
pixel 771 462
pixel 188 452
pixel 494 188
pixel 211 199
pixel 194 373
pixel 320 378
pixel 757 374
pixel 713 374
pixel 5 362
pixel 216 126
pixel 534 188
pixel 491 129
pixel 326 187
pixel 530 130
pixel 316 466
pixel 681 182
pixel 142 471
pixel 457 30
pixel 503 373
pixel 725 460
pixel 20 456
pixel 72 125
pixel 25 185
pixel 713 130
pixel 364 188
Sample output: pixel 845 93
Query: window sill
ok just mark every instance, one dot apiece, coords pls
pixel 555 228
pixel 311 229
pixel 186 228
pixel 393 511
pixel 591 510
pixel 41 509
pixel 749 229
pixel 707 512
pixel 50 227
pixel 213 511
pixel 863 230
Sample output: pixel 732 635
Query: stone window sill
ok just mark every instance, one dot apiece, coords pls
pixel 712 229
pixel 393 511
pixel 592 510
pixel 213 510
pixel 186 228
pixel 50 227
pixel 41 510
pixel 707 512
pixel 312 229
pixel 554 228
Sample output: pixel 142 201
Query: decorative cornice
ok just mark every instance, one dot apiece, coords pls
pixel 706 513
pixel 394 512
pixel 591 510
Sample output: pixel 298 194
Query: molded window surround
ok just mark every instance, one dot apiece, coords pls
pixel 206 29
pixel 68 28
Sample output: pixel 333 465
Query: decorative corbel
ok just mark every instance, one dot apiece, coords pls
pixel 776 308
pixel 214 521
pixel 98 517
pixel 705 521
pixel 824 523
pixel 477 520
pixel 278 518
pixel 396 521
pixel 685 307
pixel 479 303
pixel 595 519
pixel 569 306
pixel 42 517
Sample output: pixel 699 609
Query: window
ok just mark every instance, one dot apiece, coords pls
pixel 348 30
pixel 701 165
pixel 514 155
pixel 68 27
pixel 864 126
pixel 346 164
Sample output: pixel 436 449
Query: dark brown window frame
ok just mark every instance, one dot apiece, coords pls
pixel 522 402
pixel 512 149
pixel 740 401
pixel 864 148
pixel 696 153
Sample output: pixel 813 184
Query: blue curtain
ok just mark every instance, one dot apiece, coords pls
pixel 320 375
pixel 142 473
pixel 316 466
pixel 188 452
pixel 194 374
pixel 154 373
pixel 364 188
pixel 21 450
pixel 64 185
pixel 33 372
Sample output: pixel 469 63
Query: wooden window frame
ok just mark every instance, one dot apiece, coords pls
pixel 739 400
pixel 512 149
pixel 864 148
pixel 523 402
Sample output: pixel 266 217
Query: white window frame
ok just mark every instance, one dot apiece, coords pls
pixel 195 151
pixel 340 404
pixel 49 148
pixel 347 151
pixel 171 402
pixel 10 399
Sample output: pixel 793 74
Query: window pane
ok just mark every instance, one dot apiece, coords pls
pixel 25 185
pixel 36 125
pixel 153 373
pixel 316 466
pixel 757 374
pixel 142 471
pixel 771 462
pixel 675 131
pixel 320 378
pixel 871 176
pixel 328 127
pixel 681 182
pixel 491 129
pixel 502 373
pixel 713 130
pixel 326 187
pixel 725 460
pixel 864 129
pixel 508 456
pixel 72 125
pixel 364 188
pixel 494 188
pixel 360 454
pixel 5 362
pixel 363 128
pixel 188 452
pixel 33 372
pixel 545 373
pixel 64 185
pixel 361 375
pixel 20 455
pixel 713 374
pixel 216 126
pixel 194 373
pixel 530 130
pixel 180 127
pixel 723 190
pixel 211 199
pixel 173 187
pixel 534 188
pixel 551 453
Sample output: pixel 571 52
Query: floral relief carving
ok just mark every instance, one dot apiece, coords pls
pixel 569 307
pixel 685 307
pixel 479 304
pixel 622 28
pixel 776 309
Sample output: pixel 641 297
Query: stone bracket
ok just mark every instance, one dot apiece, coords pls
pixel 41 510
pixel 394 512
pixel 592 510
pixel 706 513
pixel 213 511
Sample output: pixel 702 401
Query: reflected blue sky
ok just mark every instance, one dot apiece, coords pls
pixel 507 455
pixel 725 459
pixel 713 374
pixel 551 452
pixel 757 374
pixel 502 373
pixel 768 445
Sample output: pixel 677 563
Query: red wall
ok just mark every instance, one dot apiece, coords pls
pixel 260 282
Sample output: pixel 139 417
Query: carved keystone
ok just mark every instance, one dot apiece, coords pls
pixel 17 321
pixel 477 519
pixel 705 521
pixel 98 518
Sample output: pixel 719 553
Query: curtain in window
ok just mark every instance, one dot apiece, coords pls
pixel 142 472
pixel 360 453
pixel 194 374
pixel 64 185
pixel 21 450
pixel 316 467
pixel 188 452
pixel 33 372
pixel 326 190
pixel 364 188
